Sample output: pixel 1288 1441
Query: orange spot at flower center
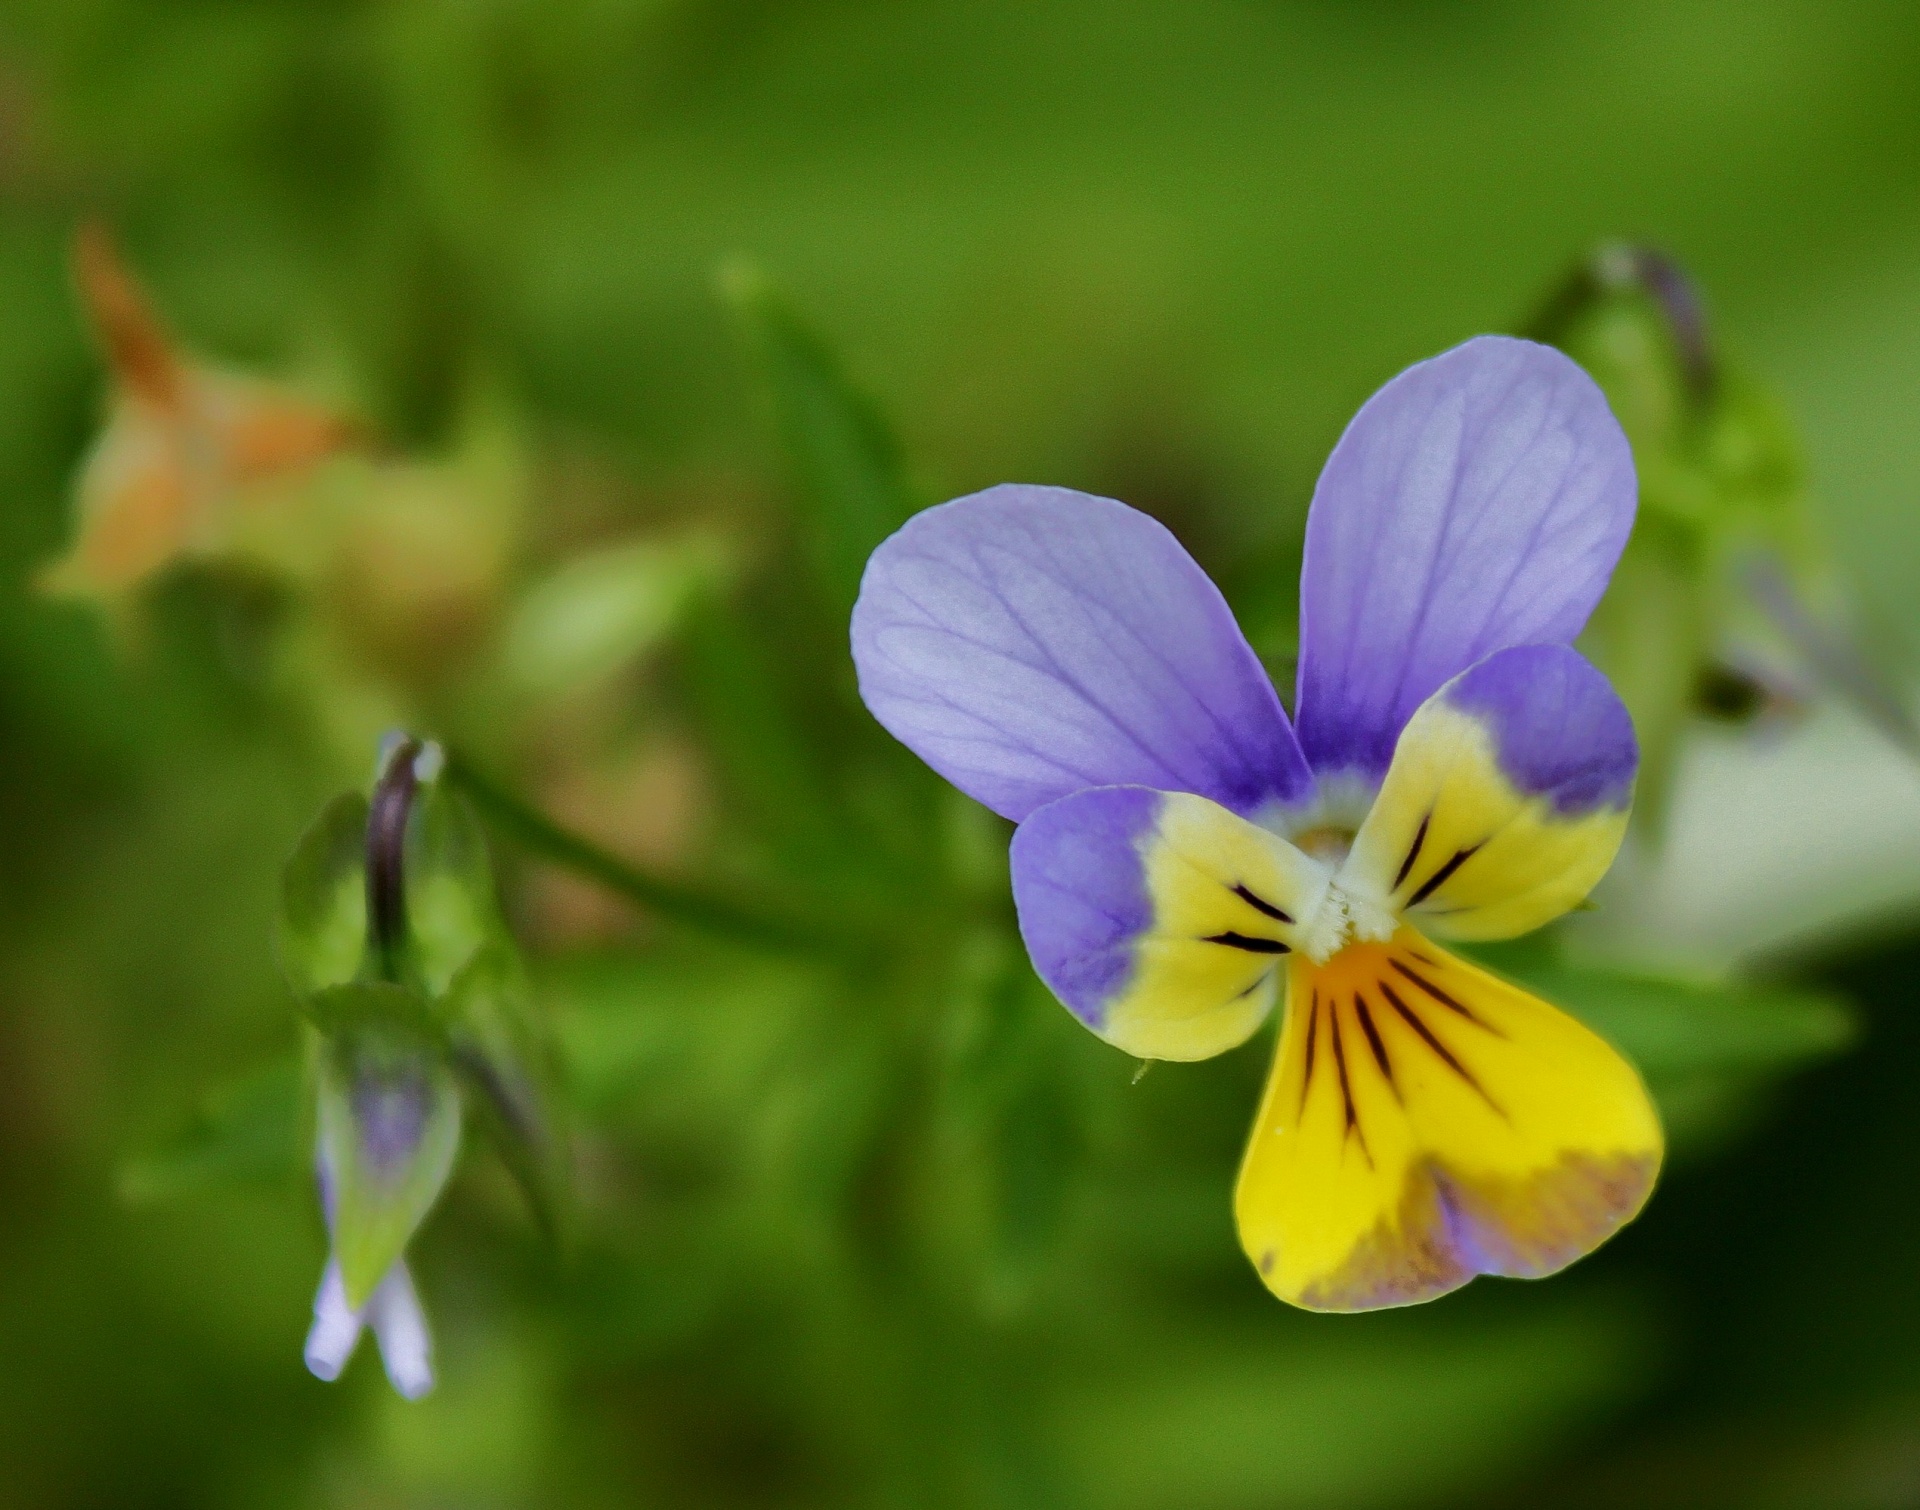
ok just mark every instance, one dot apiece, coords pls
pixel 1328 843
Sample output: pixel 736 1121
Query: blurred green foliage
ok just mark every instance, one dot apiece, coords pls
pixel 862 1216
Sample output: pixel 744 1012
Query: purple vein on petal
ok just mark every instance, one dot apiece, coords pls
pixel 1030 642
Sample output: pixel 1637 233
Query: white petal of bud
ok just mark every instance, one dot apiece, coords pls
pixel 336 1329
pixel 400 1326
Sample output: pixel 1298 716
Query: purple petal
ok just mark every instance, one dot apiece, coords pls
pixel 336 1327
pixel 1506 801
pixel 1082 896
pixel 1559 730
pixel 1476 502
pixel 1160 919
pixel 1029 642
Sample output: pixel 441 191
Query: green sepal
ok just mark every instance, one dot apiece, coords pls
pixel 322 933
pixel 502 1052
pixel 380 1006
pixel 1650 636
pixel 389 1125
pixel 848 462
pixel 452 913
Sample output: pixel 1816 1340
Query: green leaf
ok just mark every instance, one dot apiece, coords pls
pixel 1676 1028
pixel 452 913
pixel 748 730
pixel 1397 1409
pixel 848 462
pixel 503 1053
pixel 389 1128
pixel 323 899
pixel 1017 1127
pixel 245 1130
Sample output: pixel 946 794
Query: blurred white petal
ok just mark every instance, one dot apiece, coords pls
pixel 400 1326
pixel 336 1329
pixel 1772 846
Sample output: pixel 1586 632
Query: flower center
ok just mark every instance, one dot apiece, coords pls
pixel 1328 843
pixel 1343 918
pixel 1324 831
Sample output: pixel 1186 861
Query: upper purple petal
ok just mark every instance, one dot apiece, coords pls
pixel 1477 501
pixel 1558 728
pixel 1029 642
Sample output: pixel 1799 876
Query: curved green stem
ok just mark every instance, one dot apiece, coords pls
pixel 694 906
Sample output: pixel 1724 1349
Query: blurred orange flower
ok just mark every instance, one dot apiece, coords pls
pixel 184 444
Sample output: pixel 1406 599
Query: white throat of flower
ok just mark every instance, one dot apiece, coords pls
pixel 1342 917
pixel 1344 913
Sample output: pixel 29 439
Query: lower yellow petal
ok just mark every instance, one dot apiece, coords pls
pixel 1426 1122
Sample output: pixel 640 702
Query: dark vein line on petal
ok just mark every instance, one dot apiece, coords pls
pixel 1443 998
pixel 1259 904
pixel 1406 865
pixel 1441 876
pixel 1446 1056
pixel 1346 1090
pixel 1244 941
pixel 1374 1042
pixel 1306 1075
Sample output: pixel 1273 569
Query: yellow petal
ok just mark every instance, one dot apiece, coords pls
pixel 1426 1122
pixel 1160 919
pixel 1506 801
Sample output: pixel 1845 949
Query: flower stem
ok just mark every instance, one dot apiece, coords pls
pixel 387 813
pixel 678 901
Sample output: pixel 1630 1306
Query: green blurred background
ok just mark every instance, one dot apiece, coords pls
pixel 890 1230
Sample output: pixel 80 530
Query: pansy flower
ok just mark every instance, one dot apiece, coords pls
pixel 1186 857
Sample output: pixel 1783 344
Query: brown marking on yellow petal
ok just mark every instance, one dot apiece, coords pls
pixel 1447 1230
pixel 1500 1136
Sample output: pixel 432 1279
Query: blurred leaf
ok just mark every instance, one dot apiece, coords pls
pixel 1650 635
pixel 1707 1113
pixel 685 1034
pixel 1021 1141
pixel 389 1127
pixel 504 1056
pixel 763 923
pixel 1395 1411
pixel 1722 487
pixel 747 727
pixel 604 609
pixel 1675 1028
pixel 451 909
pixel 847 459
pixel 323 899
pixel 247 1129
